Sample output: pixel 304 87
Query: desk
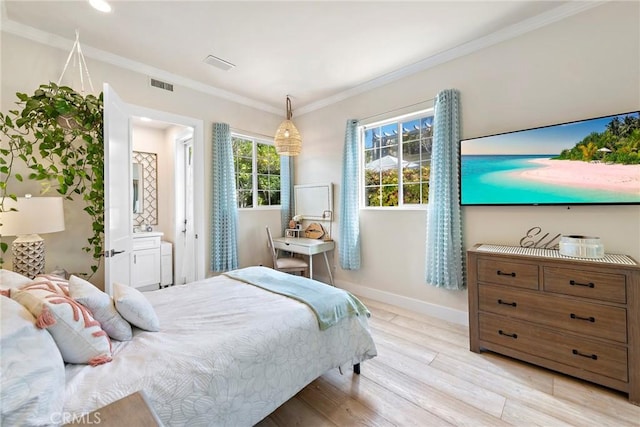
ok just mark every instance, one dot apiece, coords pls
pixel 304 246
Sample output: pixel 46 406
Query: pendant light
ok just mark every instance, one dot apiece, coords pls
pixel 288 141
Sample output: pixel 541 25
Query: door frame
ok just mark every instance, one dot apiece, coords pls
pixel 197 126
pixel 118 204
pixel 179 201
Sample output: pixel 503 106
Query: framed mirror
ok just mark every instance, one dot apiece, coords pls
pixel 148 192
pixel 311 201
pixel 138 188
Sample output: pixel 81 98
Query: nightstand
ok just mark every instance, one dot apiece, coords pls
pixel 131 411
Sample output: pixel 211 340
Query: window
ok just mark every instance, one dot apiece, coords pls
pixel 257 170
pixel 397 157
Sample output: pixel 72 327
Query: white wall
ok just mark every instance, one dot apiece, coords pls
pixel 26 64
pixel 585 66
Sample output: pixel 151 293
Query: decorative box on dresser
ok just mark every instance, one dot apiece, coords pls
pixel 577 316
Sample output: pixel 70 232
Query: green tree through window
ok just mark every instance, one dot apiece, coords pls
pixel 257 170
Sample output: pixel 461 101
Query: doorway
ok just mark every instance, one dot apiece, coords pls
pixel 186 238
pixel 183 170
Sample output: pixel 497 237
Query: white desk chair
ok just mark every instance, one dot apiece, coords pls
pixel 286 264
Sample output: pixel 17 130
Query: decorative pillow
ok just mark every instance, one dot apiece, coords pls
pixel 134 307
pixel 77 334
pixel 49 282
pixel 11 279
pixel 33 377
pixel 102 307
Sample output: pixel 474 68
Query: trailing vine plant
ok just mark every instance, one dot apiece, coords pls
pixel 58 134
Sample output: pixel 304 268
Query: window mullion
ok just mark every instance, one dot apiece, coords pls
pixel 400 177
pixel 254 175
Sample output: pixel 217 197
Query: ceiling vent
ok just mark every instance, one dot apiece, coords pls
pixel 161 85
pixel 218 63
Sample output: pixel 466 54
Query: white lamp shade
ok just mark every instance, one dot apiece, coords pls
pixel 34 215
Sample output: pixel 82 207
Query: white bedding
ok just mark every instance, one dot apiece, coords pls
pixel 227 354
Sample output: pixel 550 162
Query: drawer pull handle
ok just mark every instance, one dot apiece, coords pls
pixel 501 273
pixel 512 304
pixel 587 285
pixel 514 336
pixel 590 318
pixel 590 356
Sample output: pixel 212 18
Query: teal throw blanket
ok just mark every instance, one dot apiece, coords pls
pixel 328 303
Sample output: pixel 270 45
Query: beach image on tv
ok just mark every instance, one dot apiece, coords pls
pixel 587 162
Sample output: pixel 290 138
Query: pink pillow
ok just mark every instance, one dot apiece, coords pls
pixel 77 334
pixel 55 283
pixel 43 281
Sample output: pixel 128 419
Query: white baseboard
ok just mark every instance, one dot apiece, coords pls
pixel 438 311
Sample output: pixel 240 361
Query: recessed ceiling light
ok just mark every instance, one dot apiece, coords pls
pixel 145 119
pixel 100 5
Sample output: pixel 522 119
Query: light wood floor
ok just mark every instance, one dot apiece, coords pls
pixel 425 375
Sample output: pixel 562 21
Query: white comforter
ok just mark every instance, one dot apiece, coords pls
pixel 227 354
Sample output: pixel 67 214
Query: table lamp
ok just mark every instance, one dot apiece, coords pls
pixel 33 216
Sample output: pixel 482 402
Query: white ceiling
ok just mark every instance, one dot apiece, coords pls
pixel 318 52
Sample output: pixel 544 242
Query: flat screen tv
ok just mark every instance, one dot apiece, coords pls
pixel 593 161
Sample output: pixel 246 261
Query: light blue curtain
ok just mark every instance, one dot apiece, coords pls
pixel 224 222
pixel 287 207
pixel 445 255
pixel 349 224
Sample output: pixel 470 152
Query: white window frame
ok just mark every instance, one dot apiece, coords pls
pixel 361 160
pixel 254 171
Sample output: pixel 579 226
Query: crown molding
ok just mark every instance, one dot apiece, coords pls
pixel 554 15
pixel 58 42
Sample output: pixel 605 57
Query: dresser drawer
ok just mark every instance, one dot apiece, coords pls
pixel 604 359
pixel 581 317
pixel 508 273
pixel 585 283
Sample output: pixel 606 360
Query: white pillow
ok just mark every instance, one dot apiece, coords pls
pixel 102 307
pixel 135 307
pixel 33 377
pixel 11 279
pixel 76 333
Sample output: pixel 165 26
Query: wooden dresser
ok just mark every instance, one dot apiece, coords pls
pixel 580 317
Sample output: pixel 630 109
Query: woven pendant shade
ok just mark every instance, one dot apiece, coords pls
pixel 288 141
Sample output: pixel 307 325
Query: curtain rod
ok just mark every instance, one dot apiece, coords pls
pixel 396 109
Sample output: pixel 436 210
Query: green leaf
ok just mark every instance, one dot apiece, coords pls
pixel 4 246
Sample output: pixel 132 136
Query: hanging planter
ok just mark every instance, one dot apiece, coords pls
pixel 58 134
pixel 67 121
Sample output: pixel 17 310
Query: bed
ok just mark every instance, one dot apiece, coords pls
pixel 228 353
